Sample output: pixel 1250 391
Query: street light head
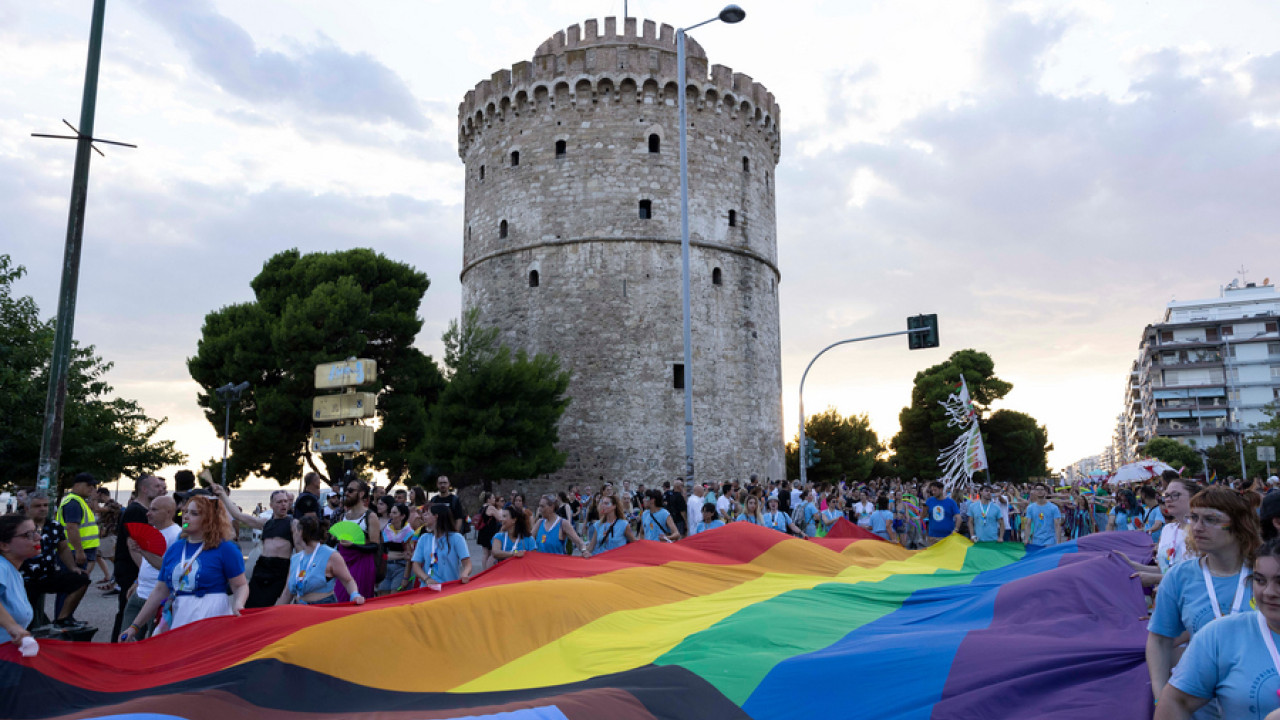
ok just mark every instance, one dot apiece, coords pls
pixel 732 14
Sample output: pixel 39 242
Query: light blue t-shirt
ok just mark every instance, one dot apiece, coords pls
pixel 702 527
pixel 808 514
pixel 654 524
pixel 610 535
pixel 830 516
pixel 1228 660
pixel 881 520
pixel 1182 602
pixel 987 526
pixel 1041 518
pixel 777 520
pixel 510 544
pixel 1145 519
pixel 13 595
pixel 1123 518
pixel 442 557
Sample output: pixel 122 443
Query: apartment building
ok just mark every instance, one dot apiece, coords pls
pixel 1207 370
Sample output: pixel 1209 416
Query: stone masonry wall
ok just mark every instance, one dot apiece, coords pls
pixel 607 294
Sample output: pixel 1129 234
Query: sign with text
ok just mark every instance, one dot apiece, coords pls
pixel 348 438
pixel 347 373
pixel 1266 453
pixel 349 406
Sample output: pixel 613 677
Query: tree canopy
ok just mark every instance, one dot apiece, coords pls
pixel 497 417
pixel 1017 446
pixel 1179 456
pixel 847 446
pixel 308 310
pixel 924 429
pixel 104 435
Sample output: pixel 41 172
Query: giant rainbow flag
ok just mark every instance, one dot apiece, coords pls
pixel 738 622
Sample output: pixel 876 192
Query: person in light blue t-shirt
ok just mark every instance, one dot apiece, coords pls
pixel 1225 531
pixel 1232 662
pixel 19 542
pixel 441 555
pixel 882 520
pixel 986 518
pixel 710 519
pixel 656 522
pixel 1042 518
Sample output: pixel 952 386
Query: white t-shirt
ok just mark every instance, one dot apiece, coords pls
pixel 1172 548
pixel 694 506
pixel 722 505
pixel 147 575
pixel 795 497
pixel 863 510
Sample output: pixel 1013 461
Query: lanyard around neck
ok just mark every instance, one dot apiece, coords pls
pixel 1213 595
pixel 1270 642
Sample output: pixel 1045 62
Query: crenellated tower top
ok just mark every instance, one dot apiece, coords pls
pixel 578 64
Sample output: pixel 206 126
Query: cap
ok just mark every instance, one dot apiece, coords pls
pixel 85 477
pixel 1273 480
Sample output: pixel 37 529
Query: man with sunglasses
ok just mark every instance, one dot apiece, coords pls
pixel 42 573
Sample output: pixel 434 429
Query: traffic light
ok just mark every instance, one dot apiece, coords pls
pixel 919 340
pixel 811 452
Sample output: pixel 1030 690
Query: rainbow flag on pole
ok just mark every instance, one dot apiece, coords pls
pixel 738 622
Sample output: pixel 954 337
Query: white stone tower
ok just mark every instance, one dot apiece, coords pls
pixel 572 246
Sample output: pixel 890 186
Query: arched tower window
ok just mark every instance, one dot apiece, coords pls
pixel 655 143
pixel 746 164
pixel 481 172
pixel 533 278
pixel 646 209
pixel 515 158
pixel 733 218
pixel 502 230
pixel 716 277
pixel 562 148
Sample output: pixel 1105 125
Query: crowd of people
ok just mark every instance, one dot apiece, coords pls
pixel 1214 574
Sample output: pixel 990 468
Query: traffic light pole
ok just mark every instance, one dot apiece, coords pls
pixel 804 475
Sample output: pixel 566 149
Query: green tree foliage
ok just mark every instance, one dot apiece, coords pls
pixel 1017 446
pixel 1224 458
pixel 497 417
pixel 924 431
pixel 1173 452
pixel 308 310
pixel 106 436
pixel 847 446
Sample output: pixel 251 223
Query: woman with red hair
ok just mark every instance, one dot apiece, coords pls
pixel 198 571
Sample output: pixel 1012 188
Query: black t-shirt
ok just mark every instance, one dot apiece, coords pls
pixel 455 506
pixel 675 504
pixel 126 568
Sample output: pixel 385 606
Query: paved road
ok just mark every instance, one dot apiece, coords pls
pixel 99 609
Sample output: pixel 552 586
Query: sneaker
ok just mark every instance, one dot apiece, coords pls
pixel 67 622
pixel 113 591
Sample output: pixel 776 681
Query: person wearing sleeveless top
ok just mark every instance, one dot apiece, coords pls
pixel 314 569
pixel 397 541
pixel 1224 530
pixel 271 571
pixel 513 539
pixel 361 560
pixel 488 526
pixel 552 531
pixel 655 521
pixel 751 511
pixel 611 530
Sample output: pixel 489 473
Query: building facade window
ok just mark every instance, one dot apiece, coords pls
pixel 1211 334
pixel 646 209
pixel 746 164
pixel 677 376
pixel 515 158
pixel 1228 331
pixel 733 218
pixel 1272 326
pixel 562 148
pixel 716 277
pixel 655 143
pixel 533 278
pixel 482 172
pixel 1166 336
pixel 502 230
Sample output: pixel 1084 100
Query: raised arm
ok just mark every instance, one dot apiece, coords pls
pixel 253 522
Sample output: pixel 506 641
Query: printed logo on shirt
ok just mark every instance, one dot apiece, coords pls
pixel 939 514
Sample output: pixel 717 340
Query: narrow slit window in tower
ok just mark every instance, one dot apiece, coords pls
pixel 502 230
pixel 733 218
pixel 562 148
pixel 515 158
pixel 646 209
pixel 655 143
pixel 746 164
pixel 716 277
pixel 533 278
pixel 481 172
pixel 677 376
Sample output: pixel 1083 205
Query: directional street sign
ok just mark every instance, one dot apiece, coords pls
pixel 1266 453
pixel 345 439
pixel 347 373
pixel 349 406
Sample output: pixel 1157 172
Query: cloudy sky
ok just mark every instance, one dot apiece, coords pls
pixel 1044 175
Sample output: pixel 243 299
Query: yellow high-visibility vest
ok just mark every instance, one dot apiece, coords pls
pixel 89 528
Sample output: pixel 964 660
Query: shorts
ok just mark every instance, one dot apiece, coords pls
pixel 60 582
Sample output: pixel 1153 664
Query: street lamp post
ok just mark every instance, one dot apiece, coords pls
pixel 730 14
pixel 228 394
